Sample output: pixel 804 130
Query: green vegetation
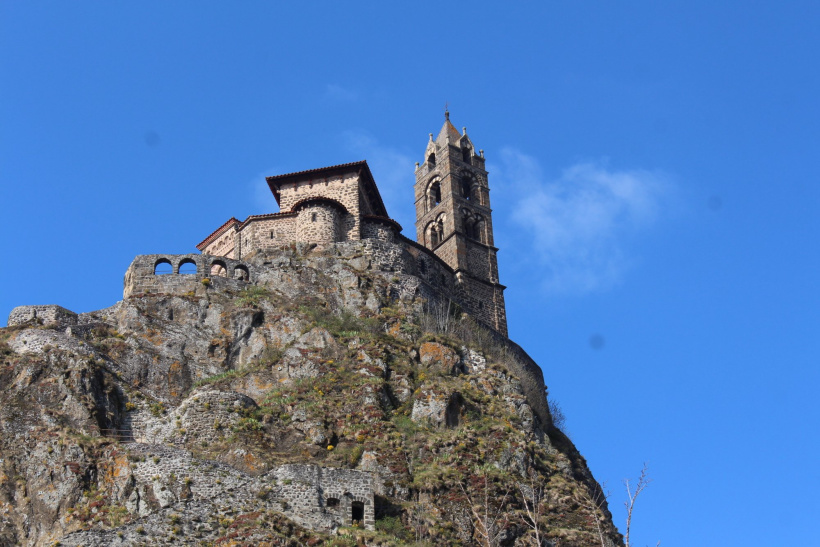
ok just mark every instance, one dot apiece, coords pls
pixel 252 296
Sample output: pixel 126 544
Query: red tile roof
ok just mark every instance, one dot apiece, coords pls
pixel 216 233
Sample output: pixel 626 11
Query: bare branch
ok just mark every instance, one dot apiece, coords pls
pixel 534 497
pixel 632 496
pixel 484 518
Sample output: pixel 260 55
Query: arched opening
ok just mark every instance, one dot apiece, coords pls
pixel 432 234
pixel 332 503
pixel 479 230
pixel 187 267
pixel 218 269
pixel 436 231
pixel 241 273
pixel 433 194
pixel 163 267
pixel 357 512
pixel 466 188
pixel 431 160
pixel 466 154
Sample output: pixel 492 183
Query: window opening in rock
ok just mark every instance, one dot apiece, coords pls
pixel 332 502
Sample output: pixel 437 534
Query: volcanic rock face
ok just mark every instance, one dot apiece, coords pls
pixel 326 398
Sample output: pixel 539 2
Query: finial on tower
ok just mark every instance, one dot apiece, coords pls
pixel 446 111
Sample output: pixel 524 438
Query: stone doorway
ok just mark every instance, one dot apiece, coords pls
pixel 357 512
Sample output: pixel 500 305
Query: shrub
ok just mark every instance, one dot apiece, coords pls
pixel 392 526
pixel 251 296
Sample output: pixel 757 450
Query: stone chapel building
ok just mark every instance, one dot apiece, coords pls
pixel 342 203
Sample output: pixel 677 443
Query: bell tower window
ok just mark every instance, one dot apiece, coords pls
pixel 466 188
pixel 433 194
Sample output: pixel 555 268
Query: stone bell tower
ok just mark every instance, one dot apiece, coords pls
pixel 454 219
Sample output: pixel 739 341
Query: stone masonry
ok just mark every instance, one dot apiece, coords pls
pixel 342 203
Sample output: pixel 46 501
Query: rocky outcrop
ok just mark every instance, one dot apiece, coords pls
pixel 323 394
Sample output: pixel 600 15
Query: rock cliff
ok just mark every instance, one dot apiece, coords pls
pixel 333 398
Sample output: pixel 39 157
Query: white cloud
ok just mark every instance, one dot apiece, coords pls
pixel 394 174
pixel 576 226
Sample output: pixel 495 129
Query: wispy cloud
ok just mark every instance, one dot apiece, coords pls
pixel 394 174
pixel 335 92
pixel 577 226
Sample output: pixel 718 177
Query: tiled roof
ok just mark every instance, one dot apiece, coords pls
pixel 386 220
pixel 216 233
pixel 265 217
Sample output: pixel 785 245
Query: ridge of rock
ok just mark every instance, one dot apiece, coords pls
pixel 332 392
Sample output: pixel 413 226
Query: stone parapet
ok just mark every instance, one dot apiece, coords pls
pixel 145 274
pixel 49 315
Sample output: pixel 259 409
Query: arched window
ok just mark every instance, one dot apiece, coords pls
pixel 433 194
pixel 479 229
pixel 422 267
pixel 431 160
pixel 219 269
pixel 187 267
pixel 241 273
pixel 466 188
pixel 466 154
pixel 163 267
pixel 432 234
pixel 332 502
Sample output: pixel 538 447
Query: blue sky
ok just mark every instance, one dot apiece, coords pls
pixel 653 172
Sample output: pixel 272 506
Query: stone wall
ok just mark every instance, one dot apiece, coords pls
pixel 49 315
pixel 344 189
pixel 141 276
pixel 374 229
pixel 325 498
pixel 224 245
pixel 481 261
pixel 267 232
pixel 319 222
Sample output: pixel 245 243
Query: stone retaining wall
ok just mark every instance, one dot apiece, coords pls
pixel 49 315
